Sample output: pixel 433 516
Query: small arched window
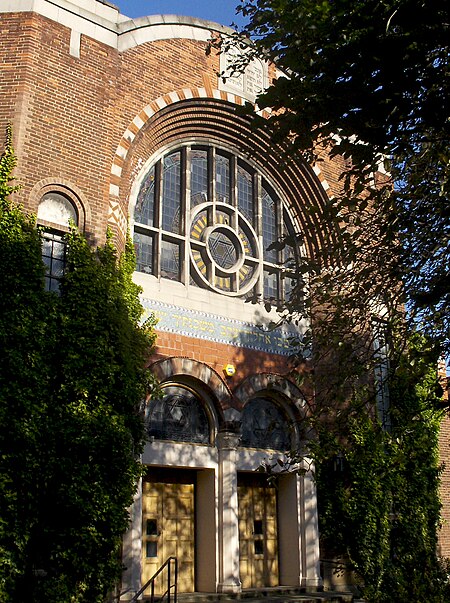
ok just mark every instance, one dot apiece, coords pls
pixel 264 425
pixel 179 416
pixel 57 209
pixel 55 213
pixel 208 218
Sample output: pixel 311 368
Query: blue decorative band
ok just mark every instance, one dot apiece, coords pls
pixel 202 325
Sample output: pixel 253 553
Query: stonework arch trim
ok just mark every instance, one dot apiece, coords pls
pixel 141 119
pixel 153 28
pixel 178 367
pixel 271 382
pixel 117 216
pixel 65 187
pixel 283 393
pixel 323 181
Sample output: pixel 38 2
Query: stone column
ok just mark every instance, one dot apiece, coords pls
pixel 309 530
pixel 229 582
pixel 132 549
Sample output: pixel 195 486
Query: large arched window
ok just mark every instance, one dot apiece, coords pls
pixel 264 425
pixel 208 218
pixel 179 416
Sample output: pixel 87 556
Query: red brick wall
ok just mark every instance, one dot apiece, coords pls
pixel 444 445
pixel 69 114
pixel 61 110
pixel 217 355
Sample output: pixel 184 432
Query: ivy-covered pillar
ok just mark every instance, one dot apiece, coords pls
pixel 229 582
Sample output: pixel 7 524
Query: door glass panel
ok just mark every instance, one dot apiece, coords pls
pixel 152 527
pixel 259 547
pixel 258 526
pixel 151 549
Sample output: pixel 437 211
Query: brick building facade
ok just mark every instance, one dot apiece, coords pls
pixel 125 124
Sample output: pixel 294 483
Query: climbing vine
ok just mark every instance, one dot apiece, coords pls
pixel 72 378
pixel 378 491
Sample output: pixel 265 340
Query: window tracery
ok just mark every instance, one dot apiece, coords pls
pixel 264 425
pixel 178 416
pixel 207 218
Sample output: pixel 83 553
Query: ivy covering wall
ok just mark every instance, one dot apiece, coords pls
pixel 72 377
pixel 378 497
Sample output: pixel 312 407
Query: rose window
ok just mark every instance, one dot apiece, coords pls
pixel 209 219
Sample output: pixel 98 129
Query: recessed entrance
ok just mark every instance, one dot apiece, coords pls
pixel 168 528
pixel 258 538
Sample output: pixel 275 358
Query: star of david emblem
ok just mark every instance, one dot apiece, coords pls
pixel 222 250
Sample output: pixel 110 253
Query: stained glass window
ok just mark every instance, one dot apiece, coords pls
pixel 171 197
pixel 170 260
pixel 222 179
pixel 264 425
pixel 269 229
pixel 245 194
pixel 207 218
pixel 145 203
pixel 199 177
pixel 179 416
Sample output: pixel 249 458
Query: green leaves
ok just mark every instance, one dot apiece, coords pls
pixel 72 378
pixel 370 80
pixel 379 506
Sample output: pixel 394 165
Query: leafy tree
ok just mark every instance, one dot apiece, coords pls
pixel 368 81
pixel 72 377
pixel 380 504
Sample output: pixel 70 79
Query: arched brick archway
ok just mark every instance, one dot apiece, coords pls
pixel 210 115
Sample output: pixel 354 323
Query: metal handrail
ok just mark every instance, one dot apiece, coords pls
pixel 169 585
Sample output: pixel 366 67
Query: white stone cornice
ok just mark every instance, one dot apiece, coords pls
pixel 103 22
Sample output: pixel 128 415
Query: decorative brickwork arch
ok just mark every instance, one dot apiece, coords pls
pixel 185 370
pixel 210 115
pixel 70 190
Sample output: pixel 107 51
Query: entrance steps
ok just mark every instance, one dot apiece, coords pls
pixel 270 595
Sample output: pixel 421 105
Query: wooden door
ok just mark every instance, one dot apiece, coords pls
pixel 258 545
pixel 168 531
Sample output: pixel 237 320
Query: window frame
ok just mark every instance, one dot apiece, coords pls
pixel 54 231
pixel 264 266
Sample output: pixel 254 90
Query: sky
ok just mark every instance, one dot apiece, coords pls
pixel 220 11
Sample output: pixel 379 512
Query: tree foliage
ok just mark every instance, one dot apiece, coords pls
pixel 379 505
pixel 367 84
pixel 369 81
pixel 72 377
